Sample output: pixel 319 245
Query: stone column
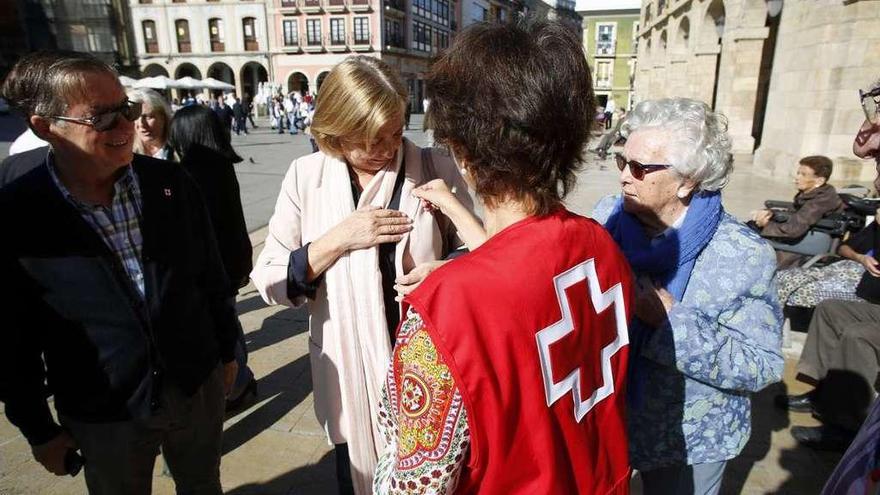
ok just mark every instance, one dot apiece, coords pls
pixel 738 83
pixel 701 72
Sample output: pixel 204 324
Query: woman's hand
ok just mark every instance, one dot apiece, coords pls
pixel 370 226
pixel 408 283
pixel 366 227
pixel 436 195
pixel 870 264
pixel 652 303
pixel 762 217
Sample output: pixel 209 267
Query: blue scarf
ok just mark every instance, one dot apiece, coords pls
pixel 668 262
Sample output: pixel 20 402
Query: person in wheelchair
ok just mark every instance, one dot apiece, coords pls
pixel 841 355
pixel 815 198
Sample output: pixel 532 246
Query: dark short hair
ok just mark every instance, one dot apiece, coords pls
pixel 198 126
pixel 45 82
pixel 516 102
pixel 822 166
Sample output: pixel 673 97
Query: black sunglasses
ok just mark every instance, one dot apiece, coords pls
pixel 638 170
pixel 870 104
pixel 129 110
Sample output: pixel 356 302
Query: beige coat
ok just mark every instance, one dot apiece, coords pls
pixel 348 335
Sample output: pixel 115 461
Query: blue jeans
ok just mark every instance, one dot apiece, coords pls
pixel 696 479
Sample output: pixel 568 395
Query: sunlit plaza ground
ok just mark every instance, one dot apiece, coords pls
pixel 277 447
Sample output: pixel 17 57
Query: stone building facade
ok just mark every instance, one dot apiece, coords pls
pixel 785 72
pixel 223 39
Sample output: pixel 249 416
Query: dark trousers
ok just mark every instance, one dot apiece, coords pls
pixel 842 355
pixel 119 457
pixel 608 116
pixel 241 125
pixel 343 470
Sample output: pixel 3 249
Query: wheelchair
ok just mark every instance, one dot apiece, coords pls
pixel 820 243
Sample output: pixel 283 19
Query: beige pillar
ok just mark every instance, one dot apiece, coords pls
pixel 738 83
pixel 701 72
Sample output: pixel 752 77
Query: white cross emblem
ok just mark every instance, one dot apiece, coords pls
pixel 549 335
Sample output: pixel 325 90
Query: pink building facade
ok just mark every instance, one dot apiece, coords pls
pixel 308 37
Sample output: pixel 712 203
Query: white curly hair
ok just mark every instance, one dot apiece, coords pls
pixel 699 146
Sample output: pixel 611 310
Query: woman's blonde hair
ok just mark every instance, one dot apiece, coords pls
pixel 359 96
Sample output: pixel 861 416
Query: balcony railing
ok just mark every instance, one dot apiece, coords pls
pixel 288 4
pixel 311 6
pixel 605 48
pixel 152 47
pixel 335 6
pixel 359 5
pixel 361 44
pixel 184 46
pixel 217 46
pixel 251 45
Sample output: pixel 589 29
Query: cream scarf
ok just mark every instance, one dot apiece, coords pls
pixel 357 308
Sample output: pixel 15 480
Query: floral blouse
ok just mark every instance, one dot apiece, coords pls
pixel 426 435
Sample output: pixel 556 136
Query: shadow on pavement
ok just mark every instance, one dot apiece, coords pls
pixel 802 471
pixel 288 386
pixel 766 419
pixel 252 303
pixel 314 479
pixel 276 328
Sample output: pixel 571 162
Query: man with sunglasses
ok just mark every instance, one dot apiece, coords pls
pixel 114 298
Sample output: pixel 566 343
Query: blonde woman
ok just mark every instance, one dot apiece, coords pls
pixel 346 229
pixel 152 127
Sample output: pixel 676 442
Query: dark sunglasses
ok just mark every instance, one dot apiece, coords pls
pixel 129 110
pixel 638 170
pixel 869 105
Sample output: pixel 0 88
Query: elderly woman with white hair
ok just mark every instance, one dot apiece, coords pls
pixel 707 325
pixel 152 127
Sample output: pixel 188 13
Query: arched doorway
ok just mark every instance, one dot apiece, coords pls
pixel 153 70
pixel 320 80
pixel 252 74
pixel 221 72
pixel 298 82
pixel 187 70
pixel 682 39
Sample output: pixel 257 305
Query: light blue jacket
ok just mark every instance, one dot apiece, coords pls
pixel 723 342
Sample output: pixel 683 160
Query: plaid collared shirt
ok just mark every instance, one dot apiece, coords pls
pixel 119 224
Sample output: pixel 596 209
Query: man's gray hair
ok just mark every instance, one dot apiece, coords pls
pixel 45 82
pixel 699 146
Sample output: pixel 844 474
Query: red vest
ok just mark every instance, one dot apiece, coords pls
pixel 533 326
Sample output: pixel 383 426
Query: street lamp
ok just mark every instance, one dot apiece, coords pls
pixel 719 24
pixel 774 7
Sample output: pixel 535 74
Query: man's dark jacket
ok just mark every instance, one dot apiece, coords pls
pixel 238 111
pixel 67 301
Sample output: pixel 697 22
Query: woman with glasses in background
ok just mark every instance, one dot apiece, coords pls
pixel 707 326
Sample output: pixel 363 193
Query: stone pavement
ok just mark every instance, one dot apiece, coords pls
pixel 277 447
